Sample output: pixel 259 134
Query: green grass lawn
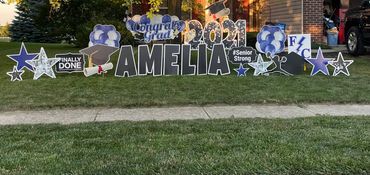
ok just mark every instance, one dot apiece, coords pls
pixel 75 90
pixel 324 145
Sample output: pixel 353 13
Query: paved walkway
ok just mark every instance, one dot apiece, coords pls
pixel 68 116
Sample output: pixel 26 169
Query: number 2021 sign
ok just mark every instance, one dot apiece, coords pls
pixel 212 33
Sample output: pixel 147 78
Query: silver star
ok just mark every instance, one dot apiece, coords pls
pixel 260 67
pixel 43 65
pixel 16 75
pixel 341 65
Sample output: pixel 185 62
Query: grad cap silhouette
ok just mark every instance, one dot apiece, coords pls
pixel 294 63
pixel 216 7
pixel 99 54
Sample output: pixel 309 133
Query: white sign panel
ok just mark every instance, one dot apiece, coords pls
pixel 300 44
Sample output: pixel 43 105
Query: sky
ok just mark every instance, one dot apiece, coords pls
pixel 7 13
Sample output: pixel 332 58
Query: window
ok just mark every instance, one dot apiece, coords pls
pixel 249 10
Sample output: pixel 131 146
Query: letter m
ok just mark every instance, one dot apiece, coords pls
pixel 150 63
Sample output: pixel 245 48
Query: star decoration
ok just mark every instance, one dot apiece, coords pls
pixel 22 58
pixel 260 67
pixel 341 65
pixel 320 64
pixel 43 65
pixel 241 71
pixel 16 75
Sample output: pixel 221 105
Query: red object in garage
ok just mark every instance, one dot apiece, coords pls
pixel 342 32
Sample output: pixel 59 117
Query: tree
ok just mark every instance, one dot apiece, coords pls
pixel 72 20
pixel 155 4
pixel 76 18
pixel 190 7
pixel 32 22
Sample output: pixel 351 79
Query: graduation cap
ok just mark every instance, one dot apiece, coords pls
pixel 218 9
pixel 294 63
pixel 99 54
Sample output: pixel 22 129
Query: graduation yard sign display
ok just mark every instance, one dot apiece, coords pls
pixel 218 44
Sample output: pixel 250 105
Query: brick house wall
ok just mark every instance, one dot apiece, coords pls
pixel 301 16
pixel 313 19
pixel 288 12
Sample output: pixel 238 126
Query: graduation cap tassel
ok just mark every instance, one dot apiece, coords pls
pixel 101 71
pixel 90 61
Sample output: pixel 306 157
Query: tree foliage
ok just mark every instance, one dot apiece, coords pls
pixel 191 7
pixel 155 4
pixel 71 20
pixel 78 17
pixel 32 24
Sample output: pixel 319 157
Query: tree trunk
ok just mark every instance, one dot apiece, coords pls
pixel 174 8
pixel 178 14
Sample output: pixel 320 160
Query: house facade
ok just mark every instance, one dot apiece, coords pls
pixel 300 16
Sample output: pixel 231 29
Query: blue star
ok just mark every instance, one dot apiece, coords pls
pixel 22 57
pixel 241 71
pixel 320 64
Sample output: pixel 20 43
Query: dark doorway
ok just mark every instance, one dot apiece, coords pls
pixel 331 10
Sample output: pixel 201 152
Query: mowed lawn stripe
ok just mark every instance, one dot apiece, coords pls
pixel 322 145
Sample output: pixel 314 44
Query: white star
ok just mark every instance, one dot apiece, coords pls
pixel 43 65
pixel 260 67
pixel 341 65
